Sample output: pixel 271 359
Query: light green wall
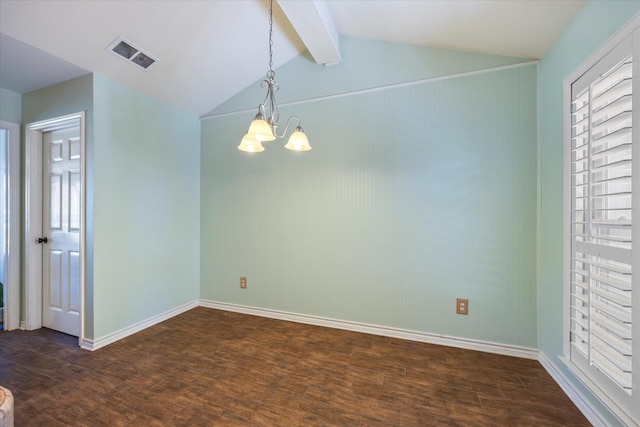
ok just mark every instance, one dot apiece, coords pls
pixel 366 64
pixel 66 98
pixel 146 207
pixel 142 181
pixel 58 100
pixel 10 106
pixel 593 25
pixel 411 197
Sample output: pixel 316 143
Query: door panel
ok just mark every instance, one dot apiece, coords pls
pixel 61 226
pixel 74 280
pixel 55 279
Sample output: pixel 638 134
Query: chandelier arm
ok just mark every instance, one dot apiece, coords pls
pixel 286 127
pixel 269 103
pixel 266 98
pixel 275 112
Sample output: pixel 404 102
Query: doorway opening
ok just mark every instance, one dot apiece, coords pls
pixel 54 263
pixel 9 225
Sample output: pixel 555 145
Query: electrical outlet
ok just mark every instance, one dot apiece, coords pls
pixel 243 283
pixel 462 306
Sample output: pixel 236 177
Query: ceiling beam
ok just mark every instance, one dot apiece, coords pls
pixel 315 26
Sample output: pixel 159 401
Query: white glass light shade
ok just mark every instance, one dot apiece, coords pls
pixel 250 145
pixel 298 141
pixel 261 131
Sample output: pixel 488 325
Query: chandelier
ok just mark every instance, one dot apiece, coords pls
pixel 263 127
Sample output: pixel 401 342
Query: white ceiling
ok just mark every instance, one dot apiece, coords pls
pixel 209 50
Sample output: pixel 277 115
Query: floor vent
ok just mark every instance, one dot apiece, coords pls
pixel 131 53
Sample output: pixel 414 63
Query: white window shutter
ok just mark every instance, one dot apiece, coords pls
pixel 601 220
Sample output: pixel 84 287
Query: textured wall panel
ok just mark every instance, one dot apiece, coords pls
pixel 412 196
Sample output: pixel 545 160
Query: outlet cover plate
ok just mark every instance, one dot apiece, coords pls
pixel 462 306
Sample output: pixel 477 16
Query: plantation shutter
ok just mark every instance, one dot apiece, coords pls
pixel 601 219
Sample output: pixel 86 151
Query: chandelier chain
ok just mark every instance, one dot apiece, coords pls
pixel 270 73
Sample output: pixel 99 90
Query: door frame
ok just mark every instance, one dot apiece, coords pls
pixel 12 285
pixel 33 217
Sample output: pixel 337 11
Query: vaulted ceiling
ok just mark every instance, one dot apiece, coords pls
pixel 209 50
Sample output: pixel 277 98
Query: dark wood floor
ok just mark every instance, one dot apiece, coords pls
pixel 208 367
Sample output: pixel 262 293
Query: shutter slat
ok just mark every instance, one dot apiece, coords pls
pixel 613 171
pixel 618 267
pixel 580 140
pixel 616 283
pixel 620 363
pixel 610 238
pixel 612 109
pixel 616 137
pixel 619 90
pixel 581 321
pixel 622 224
pixel 616 180
pixel 581 109
pixel 621 330
pixel 615 76
pixel 610 370
pixel 581 347
pixel 611 125
pixel 613 164
pixel 612 194
pixel 622 200
pixel 622 315
pixel 582 297
pixel 603 150
pixel 582 335
pixel 581 123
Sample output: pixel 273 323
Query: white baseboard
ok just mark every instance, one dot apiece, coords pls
pixel 130 330
pixel 575 395
pixel 568 383
pixel 87 344
pixel 488 347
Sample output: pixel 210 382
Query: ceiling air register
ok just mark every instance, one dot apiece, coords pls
pixel 131 53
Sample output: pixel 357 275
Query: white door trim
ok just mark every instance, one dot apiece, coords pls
pixel 33 217
pixel 12 286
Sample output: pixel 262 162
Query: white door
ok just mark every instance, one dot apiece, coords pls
pixel 61 229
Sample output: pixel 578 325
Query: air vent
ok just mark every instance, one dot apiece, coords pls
pixel 131 53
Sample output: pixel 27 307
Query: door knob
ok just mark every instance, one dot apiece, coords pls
pixel 42 240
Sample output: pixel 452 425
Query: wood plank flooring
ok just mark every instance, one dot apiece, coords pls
pixel 212 368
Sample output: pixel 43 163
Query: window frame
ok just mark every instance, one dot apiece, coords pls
pixel 597 383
